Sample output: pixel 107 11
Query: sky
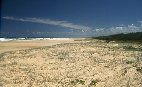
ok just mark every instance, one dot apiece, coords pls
pixel 69 18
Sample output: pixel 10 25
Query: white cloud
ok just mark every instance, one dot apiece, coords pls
pixel 65 24
pixel 84 29
pixel 140 22
pixel 117 30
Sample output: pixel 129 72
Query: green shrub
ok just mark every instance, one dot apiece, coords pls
pixel 129 62
pixel 77 81
pixel 139 69
pixel 94 82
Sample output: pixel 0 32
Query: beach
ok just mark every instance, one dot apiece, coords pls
pixel 70 63
pixel 11 45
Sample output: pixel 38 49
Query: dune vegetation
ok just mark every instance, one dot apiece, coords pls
pixel 89 63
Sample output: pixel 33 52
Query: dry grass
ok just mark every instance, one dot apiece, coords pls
pixel 84 64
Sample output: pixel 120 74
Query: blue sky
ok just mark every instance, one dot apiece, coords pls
pixel 69 18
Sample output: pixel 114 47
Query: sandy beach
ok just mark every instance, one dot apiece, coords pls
pixel 69 63
pixel 27 44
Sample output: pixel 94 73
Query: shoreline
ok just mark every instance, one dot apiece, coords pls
pixel 27 44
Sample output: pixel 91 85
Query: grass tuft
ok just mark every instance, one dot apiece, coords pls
pixel 77 81
pixel 139 69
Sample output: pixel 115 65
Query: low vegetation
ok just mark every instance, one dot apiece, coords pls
pixel 91 63
pixel 133 37
pixel 77 81
pixel 82 82
pixel 139 69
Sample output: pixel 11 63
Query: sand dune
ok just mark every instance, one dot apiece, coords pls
pixel 82 64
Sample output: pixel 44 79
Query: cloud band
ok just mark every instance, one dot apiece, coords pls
pixel 64 24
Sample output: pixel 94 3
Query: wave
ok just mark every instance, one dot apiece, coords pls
pixel 25 39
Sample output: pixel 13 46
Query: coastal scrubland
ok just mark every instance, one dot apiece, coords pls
pixel 83 63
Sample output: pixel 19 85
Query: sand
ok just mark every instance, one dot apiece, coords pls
pixel 26 44
pixel 90 63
